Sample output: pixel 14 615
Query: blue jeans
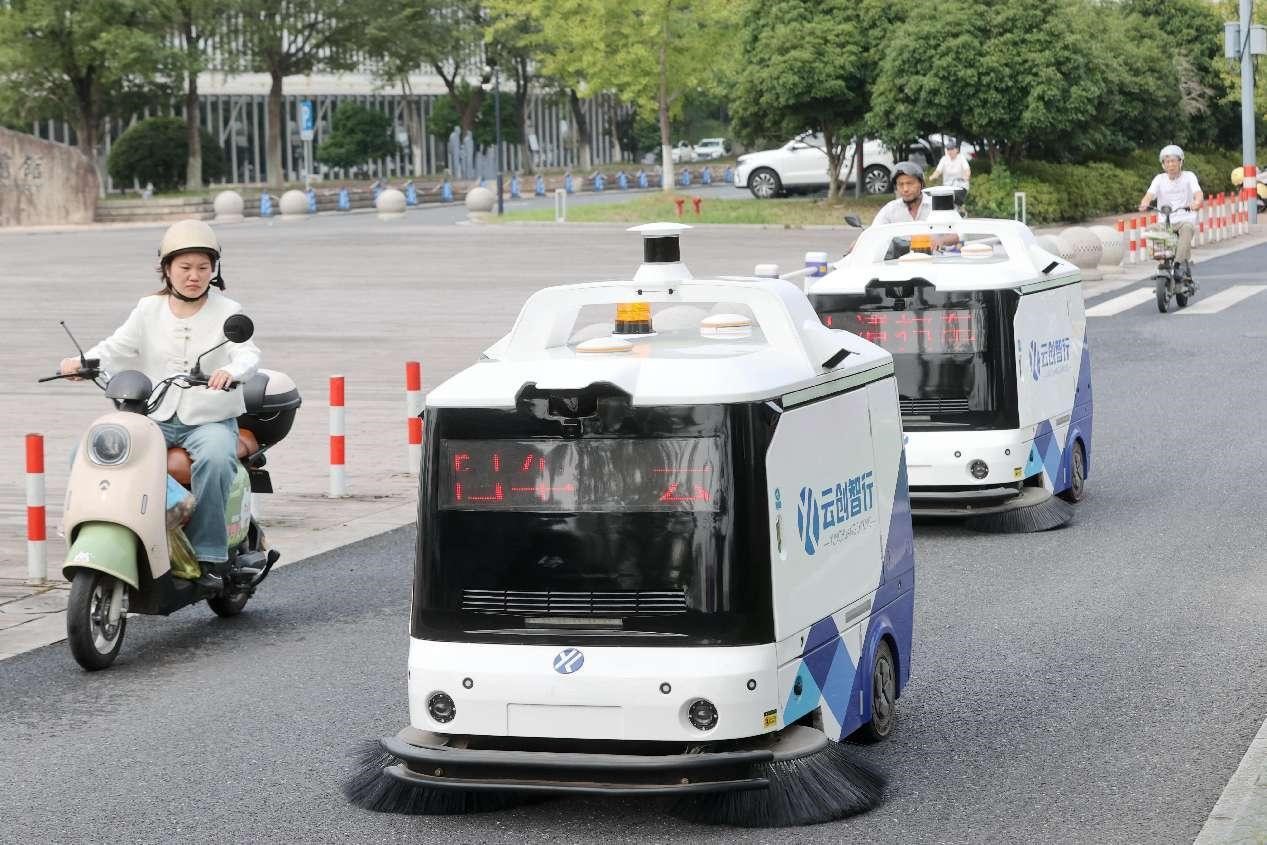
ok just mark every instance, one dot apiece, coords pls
pixel 213 449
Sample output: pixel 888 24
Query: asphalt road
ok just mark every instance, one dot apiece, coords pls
pixel 1097 683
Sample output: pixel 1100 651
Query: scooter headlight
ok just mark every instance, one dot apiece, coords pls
pixel 108 444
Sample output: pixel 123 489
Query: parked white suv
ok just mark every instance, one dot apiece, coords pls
pixel 801 165
pixel 710 148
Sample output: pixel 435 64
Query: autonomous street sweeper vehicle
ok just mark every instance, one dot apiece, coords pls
pixel 664 548
pixel 988 337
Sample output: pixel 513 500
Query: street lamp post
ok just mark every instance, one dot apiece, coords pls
pixel 497 133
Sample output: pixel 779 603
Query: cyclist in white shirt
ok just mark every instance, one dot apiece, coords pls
pixel 954 172
pixel 1179 189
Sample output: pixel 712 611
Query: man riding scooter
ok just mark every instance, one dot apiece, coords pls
pixel 1179 190
pixel 162 336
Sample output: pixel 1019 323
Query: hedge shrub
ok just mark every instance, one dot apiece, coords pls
pixel 1075 192
pixel 154 150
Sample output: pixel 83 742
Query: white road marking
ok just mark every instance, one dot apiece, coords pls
pixel 1223 299
pixel 1118 304
pixel 1238 814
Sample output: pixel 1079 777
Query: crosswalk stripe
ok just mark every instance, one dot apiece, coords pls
pixel 1118 304
pixel 1223 299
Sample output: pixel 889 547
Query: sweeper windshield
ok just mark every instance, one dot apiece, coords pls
pixel 952 350
pixel 580 512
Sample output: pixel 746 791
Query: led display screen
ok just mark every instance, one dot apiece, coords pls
pixel 593 474
pixel 927 330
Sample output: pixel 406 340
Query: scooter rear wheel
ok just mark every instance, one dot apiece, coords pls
pixel 93 640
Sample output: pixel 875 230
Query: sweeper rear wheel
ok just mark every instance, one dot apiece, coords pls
pixel 883 696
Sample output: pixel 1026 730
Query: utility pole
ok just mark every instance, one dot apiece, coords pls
pixel 1249 150
pixel 497 132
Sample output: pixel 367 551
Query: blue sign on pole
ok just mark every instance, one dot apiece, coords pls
pixel 307 120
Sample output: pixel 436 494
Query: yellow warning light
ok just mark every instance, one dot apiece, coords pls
pixel 633 318
pixel 922 243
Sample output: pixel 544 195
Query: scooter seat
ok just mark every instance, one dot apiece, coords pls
pixel 180 467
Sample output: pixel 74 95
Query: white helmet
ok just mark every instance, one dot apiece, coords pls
pixel 1171 150
pixel 191 236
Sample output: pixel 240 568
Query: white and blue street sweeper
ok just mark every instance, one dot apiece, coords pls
pixel 988 337
pixel 664 548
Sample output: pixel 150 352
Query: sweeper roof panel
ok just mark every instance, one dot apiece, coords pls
pixel 950 252
pixel 665 342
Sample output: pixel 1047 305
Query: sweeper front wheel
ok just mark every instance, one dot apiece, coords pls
pixel 1077 474
pixel 883 697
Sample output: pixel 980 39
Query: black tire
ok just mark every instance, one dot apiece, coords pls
pixel 883 697
pixel 764 183
pixel 1163 296
pixel 1077 490
pixel 94 643
pixel 876 180
pixel 228 605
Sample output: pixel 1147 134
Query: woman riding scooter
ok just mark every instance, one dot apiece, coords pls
pixel 162 336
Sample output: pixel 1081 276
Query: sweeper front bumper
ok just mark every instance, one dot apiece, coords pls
pixel 507 764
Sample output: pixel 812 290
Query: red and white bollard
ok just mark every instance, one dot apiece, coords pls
pixel 36 521
pixel 413 411
pixel 338 474
pixel 1198 236
pixel 1121 236
pixel 1132 245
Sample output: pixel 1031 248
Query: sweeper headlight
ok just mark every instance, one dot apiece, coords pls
pixel 979 469
pixel 441 708
pixel 702 714
pixel 108 444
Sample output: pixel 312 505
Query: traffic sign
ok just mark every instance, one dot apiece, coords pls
pixel 307 119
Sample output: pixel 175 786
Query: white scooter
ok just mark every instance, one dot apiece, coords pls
pixel 122 555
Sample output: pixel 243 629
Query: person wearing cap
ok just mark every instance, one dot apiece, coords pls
pixel 954 171
pixel 1180 190
pixel 909 206
pixel 163 336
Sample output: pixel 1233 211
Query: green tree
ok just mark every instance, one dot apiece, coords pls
pixel 1059 78
pixel 195 22
pixel 154 150
pixel 807 68
pixel 445 114
pixel 294 37
pixel 358 136
pixel 78 60
pixel 651 53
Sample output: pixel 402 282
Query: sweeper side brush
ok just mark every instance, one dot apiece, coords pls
pixel 812 780
pixel 372 788
pixel 1044 515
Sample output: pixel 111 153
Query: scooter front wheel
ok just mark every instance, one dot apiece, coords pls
pixel 1163 294
pixel 95 599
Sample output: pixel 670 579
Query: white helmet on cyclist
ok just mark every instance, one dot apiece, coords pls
pixel 1171 150
pixel 190 236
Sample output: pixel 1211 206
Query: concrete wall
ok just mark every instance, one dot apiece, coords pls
pixel 42 183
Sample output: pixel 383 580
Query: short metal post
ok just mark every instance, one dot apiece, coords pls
pixel 1019 208
pixel 560 205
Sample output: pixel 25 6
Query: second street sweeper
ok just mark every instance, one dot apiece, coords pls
pixel 664 548
pixel 988 337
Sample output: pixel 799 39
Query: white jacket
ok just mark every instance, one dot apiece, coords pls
pixel 159 344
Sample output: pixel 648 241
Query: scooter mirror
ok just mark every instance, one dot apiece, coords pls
pixel 854 220
pixel 239 328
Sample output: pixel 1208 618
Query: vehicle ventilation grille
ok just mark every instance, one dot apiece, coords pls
pixel 928 407
pixel 524 602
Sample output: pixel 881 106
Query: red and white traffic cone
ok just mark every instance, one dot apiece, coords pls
pixel 413 411
pixel 338 473
pixel 36 519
